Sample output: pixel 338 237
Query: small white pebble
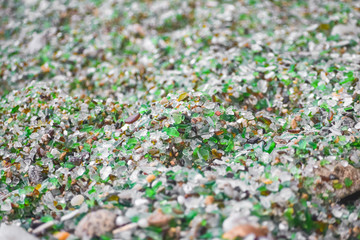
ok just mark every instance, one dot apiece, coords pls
pixel 283 226
pixel 353 217
pixel 141 201
pixel 143 223
pixel 344 163
pixel 77 200
pixel 181 199
pixel 121 220
pixel 55 152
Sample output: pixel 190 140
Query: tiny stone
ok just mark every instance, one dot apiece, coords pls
pixel 150 178
pixel 353 217
pixel 163 101
pixel 55 153
pixel 228 190
pixel 209 200
pixel 62 156
pixel 121 220
pixel 143 223
pixel 51 132
pixel 337 212
pixel 343 29
pixel 229 175
pixel 35 175
pixel 132 118
pixel 75 160
pixel 339 174
pixel 85 156
pixel 244 230
pixel 159 219
pixel 6 206
pixel 41 152
pixel 96 224
pixel 45 138
pixel 140 202
pixel 125 228
pixel 253 140
pixel 61 235
pixel 26 149
pixel 77 200
pixel 11 232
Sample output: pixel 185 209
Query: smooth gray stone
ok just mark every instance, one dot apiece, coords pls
pixel 11 232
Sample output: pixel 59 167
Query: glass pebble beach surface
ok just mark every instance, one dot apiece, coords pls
pixel 179 119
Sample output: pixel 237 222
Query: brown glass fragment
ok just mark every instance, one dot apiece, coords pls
pixel 294 130
pixel 132 118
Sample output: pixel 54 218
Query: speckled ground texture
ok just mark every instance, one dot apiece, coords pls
pixel 179 119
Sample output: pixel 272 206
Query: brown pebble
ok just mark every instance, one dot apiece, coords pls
pixel 132 118
pixel 216 153
pixel 293 130
pixel 305 196
pixel 45 68
pixel 150 178
pixel 41 152
pixel 159 219
pixel 174 233
pixel 244 230
pixel 45 138
pixel 209 200
pixel 61 235
pixel 62 156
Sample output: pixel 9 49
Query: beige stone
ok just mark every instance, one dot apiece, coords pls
pixel 244 230
pixel 95 224
pixel 209 200
pixel 150 178
pixel 333 176
pixel 159 219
